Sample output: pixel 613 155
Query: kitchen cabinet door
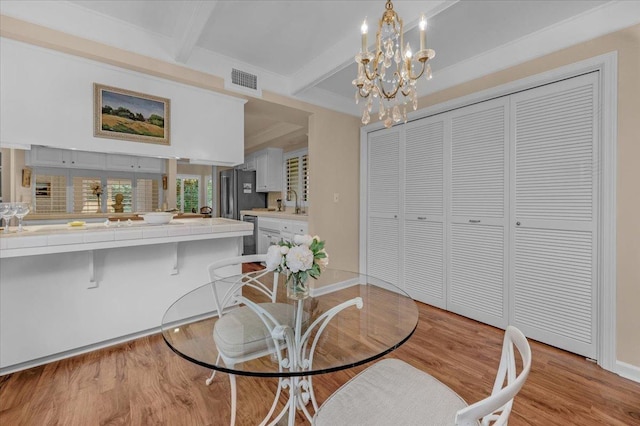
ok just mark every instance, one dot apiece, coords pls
pixel 269 170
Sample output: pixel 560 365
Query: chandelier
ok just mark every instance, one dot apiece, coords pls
pixel 388 73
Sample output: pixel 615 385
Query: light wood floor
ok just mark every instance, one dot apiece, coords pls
pixel 144 383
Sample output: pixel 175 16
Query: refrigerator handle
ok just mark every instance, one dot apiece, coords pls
pixel 225 195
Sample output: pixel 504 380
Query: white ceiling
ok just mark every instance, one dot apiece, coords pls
pixel 304 49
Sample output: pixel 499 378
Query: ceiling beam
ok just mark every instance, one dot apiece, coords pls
pixel 192 29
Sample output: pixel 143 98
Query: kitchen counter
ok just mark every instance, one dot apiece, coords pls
pixel 276 215
pixel 47 239
pixel 68 290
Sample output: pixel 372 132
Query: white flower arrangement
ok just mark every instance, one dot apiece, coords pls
pixel 304 257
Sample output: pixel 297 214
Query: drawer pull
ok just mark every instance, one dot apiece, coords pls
pixel 474 221
pixel 422 218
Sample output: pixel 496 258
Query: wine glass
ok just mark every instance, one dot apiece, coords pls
pixel 22 209
pixel 7 211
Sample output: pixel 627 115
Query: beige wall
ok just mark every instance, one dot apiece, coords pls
pixel 334 149
pixel 627 43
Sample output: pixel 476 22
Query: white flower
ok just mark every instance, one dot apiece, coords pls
pixel 274 257
pixel 299 258
pixel 302 240
pixel 284 249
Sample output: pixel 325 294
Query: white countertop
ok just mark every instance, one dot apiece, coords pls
pixel 276 215
pixel 45 239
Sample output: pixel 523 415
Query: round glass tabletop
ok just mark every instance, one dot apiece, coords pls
pixel 347 320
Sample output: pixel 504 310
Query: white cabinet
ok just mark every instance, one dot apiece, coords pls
pixel 135 164
pixel 54 157
pixel 249 163
pixel 269 170
pixel 272 230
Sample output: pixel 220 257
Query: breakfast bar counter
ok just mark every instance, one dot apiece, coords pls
pixel 66 290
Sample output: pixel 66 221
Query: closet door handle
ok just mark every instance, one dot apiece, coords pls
pixel 474 221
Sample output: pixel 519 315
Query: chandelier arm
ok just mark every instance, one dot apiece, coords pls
pixel 375 74
pixel 365 95
pixel 411 77
pixel 392 94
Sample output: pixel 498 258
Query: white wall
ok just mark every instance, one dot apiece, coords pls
pixel 46 98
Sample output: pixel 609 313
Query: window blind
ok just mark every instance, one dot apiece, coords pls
pixel 119 186
pixel 50 193
pixel 147 195
pixel 305 177
pixel 293 174
pixel 85 198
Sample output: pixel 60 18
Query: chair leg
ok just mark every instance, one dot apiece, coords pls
pixel 213 373
pixel 232 382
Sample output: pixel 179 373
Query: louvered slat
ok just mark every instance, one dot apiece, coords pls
pixel 147 195
pixel 424 262
pixel 50 193
pixel 383 249
pixel 552 290
pixel 477 163
pixel 424 177
pixel 383 169
pixel 477 272
pixel 554 155
pixel 85 199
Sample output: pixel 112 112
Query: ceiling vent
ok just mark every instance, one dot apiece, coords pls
pixel 242 81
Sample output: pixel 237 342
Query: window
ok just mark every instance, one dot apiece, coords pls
pixel 50 193
pixel 62 191
pixel 188 193
pixel 296 174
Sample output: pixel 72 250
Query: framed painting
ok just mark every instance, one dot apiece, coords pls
pixel 132 116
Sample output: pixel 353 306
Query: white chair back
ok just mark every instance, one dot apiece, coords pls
pixel 495 409
pixel 258 280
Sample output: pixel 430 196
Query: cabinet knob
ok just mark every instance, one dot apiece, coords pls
pixel 63 162
pixel 517 223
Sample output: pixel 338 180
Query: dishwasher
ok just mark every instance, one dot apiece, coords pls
pixel 249 241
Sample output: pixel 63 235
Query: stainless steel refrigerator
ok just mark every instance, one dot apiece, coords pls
pixel 238 192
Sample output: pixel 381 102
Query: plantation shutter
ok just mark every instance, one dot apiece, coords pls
pixel 293 174
pixel 84 199
pixel 305 177
pixel 50 193
pixel 118 186
pixel 147 195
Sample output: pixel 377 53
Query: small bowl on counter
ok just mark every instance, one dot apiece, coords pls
pixel 157 218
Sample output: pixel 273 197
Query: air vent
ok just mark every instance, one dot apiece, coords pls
pixel 244 79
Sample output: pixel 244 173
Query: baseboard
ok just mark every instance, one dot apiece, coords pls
pixel 74 352
pixel 628 371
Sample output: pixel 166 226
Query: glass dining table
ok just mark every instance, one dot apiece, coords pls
pixel 347 320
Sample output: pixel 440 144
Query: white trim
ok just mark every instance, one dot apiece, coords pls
pixel 607 66
pixel 628 371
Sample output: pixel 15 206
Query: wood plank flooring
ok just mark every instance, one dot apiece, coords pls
pixel 144 383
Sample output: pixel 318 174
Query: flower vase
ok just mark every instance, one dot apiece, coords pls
pixel 297 288
pixel 99 206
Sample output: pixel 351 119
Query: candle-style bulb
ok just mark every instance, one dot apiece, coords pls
pixel 423 23
pixel 364 29
pixel 407 52
pixel 423 32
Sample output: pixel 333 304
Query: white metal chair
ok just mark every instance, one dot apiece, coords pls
pixel 392 392
pixel 244 333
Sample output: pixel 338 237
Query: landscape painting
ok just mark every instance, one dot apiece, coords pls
pixel 123 114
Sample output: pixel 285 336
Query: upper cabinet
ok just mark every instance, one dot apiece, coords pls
pixel 249 163
pixel 41 156
pixel 135 164
pixel 269 170
pixel 53 157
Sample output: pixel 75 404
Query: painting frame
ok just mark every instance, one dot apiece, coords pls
pixel 139 118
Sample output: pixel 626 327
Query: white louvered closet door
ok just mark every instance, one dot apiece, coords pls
pixel 555 168
pixel 383 205
pixel 477 269
pixel 423 263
